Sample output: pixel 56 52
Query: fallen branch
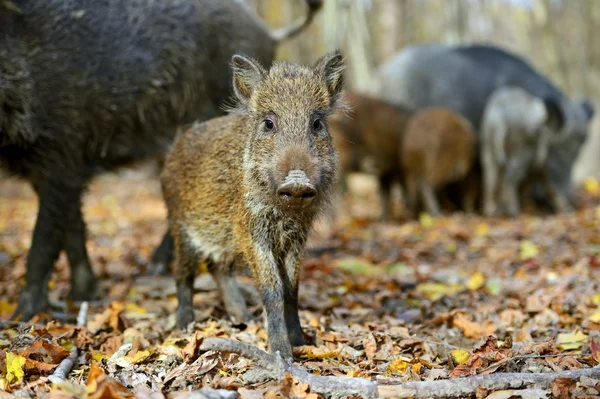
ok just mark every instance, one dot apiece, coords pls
pixel 65 367
pixel 276 368
pixel 467 386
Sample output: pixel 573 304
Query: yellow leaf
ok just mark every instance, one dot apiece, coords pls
pixel 476 281
pixel 399 365
pixel 592 186
pixel 7 307
pixel 4 385
pixel 98 356
pixel 435 291
pixel 131 307
pixel 595 317
pixel 140 356
pixel 596 299
pixel 569 341
pixel 14 368
pixel 426 220
pixel 528 250
pixel 459 356
pixel 482 229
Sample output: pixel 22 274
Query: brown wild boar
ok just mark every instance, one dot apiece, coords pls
pixel 367 140
pixel 245 189
pixel 438 148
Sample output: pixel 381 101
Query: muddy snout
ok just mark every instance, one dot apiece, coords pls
pixel 296 191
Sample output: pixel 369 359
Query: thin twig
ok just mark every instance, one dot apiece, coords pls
pixel 65 367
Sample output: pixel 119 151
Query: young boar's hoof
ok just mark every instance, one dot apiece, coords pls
pixel 284 348
pixel 185 316
pixel 32 301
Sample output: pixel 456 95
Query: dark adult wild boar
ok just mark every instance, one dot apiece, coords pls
pixel 245 189
pixel 367 139
pixel 438 149
pixel 88 85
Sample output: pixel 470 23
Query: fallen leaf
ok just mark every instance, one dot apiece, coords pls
pixel 370 346
pixel 528 250
pixel 426 220
pixel 14 368
pixel 399 365
pixel 459 356
pixel 592 186
pixel 595 348
pixel 435 291
pixel 570 341
pixel 471 329
pixel 476 281
pixel 482 229
pixel 562 388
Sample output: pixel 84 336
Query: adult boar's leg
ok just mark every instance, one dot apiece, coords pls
pixel 83 281
pixel 57 198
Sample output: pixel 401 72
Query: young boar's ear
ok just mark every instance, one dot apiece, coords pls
pixel 331 66
pixel 247 74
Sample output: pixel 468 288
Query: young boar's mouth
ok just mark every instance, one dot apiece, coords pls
pixel 296 192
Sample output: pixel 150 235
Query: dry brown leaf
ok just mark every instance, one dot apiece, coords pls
pixel 471 329
pixel 191 349
pixel 370 346
pixel 562 388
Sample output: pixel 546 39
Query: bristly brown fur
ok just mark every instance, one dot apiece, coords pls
pixel 367 134
pixel 438 148
pixel 222 185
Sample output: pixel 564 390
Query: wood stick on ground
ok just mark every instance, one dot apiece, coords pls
pixel 276 368
pixel 467 386
pixel 65 367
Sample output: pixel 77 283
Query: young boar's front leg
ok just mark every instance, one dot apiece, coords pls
pixel 291 278
pixel 271 287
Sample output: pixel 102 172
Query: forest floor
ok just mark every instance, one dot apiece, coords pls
pixel 426 300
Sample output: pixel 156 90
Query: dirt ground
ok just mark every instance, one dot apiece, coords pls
pixel 424 300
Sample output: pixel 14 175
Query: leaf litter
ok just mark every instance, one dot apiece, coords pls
pixel 436 298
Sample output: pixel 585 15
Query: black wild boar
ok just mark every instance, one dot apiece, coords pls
pixel 88 85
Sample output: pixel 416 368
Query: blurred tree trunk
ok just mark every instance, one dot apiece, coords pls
pixel 552 37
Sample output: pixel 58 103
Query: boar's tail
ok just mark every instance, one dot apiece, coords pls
pixel 298 26
pixel 9 6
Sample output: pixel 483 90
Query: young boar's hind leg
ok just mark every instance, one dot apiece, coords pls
pixel 291 279
pixel 230 293
pixel 162 256
pixel 412 195
pixel 187 263
pixel 56 199
pixel 385 190
pixel 271 288
pixel 429 198
pixel 83 281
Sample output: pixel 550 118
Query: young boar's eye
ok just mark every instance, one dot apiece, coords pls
pixel 317 125
pixel 269 124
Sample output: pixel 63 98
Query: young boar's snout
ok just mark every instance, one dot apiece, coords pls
pixel 296 188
